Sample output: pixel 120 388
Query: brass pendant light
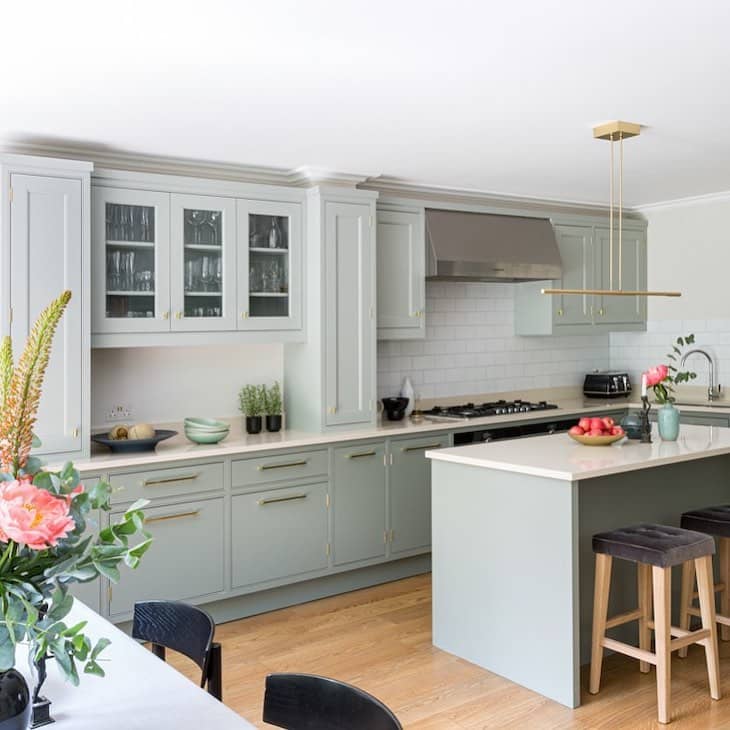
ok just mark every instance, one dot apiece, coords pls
pixel 616 131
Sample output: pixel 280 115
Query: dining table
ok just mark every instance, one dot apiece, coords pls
pixel 139 691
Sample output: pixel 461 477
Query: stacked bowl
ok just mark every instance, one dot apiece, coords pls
pixel 206 430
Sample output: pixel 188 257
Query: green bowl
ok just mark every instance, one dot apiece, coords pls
pixel 206 424
pixel 198 437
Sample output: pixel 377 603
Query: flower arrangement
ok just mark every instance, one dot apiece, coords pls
pixel 662 378
pixel 44 545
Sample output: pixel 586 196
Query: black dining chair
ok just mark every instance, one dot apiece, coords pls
pixel 183 628
pixel 310 702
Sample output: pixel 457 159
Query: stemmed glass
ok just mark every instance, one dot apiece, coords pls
pixel 196 218
pixel 219 274
pixel 212 221
pixel 205 274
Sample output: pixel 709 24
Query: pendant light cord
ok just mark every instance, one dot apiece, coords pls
pixel 620 209
pixel 610 221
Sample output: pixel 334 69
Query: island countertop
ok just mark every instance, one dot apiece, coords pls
pixel 559 457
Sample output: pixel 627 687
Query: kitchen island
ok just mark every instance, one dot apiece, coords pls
pixel 511 544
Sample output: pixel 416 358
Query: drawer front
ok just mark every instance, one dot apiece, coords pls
pixel 185 560
pixel 279 533
pixel 279 467
pixel 158 483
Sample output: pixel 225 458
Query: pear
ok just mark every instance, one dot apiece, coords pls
pixel 119 433
pixel 141 431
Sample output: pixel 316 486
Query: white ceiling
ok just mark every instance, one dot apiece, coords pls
pixel 494 96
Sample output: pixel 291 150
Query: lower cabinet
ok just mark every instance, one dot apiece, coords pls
pixel 697 419
pixel 185 561
pixel 410 493
pixel 359 485
pixel 279 533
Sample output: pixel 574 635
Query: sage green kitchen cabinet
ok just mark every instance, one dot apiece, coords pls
pixel 696 419
pixel 185 562
pixel 585 255
pixel 409 492
pixel 279 534
pixel 358 503
pixel 401 275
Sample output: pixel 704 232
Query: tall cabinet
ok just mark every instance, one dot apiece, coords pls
pixel 331 378
pixel 44 250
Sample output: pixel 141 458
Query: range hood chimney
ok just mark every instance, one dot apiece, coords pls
pixel 484 247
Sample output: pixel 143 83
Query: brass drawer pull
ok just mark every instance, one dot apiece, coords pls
pixel 170 480
pixel 177 516
pixel 266 467
pixel 362 453
pixel 419 448
pixel 274 500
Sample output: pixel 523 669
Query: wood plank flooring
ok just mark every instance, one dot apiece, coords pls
pixel 380 639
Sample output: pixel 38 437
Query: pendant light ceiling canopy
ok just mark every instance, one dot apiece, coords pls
pixel 616 132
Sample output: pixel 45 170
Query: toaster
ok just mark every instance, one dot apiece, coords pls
pixel 607 385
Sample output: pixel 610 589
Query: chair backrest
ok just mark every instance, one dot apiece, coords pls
pixel 177 626
pixel 310 702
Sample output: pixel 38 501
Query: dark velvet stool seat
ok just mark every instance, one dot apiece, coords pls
pixel 655 549
pixel 713 521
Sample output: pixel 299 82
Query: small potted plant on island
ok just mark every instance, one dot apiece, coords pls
pixel 251 403
pixel 272 402
pixel 662 379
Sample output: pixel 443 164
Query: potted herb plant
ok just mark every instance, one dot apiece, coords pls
pixel 251 403
pixel 273 409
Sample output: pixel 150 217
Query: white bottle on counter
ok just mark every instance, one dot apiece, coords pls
pixel 406 391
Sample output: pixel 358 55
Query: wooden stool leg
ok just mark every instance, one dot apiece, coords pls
pixel 662 579
pixel 600 613
pixel 644 593
pixel 685 600
pixel 724 550
pixel 707 611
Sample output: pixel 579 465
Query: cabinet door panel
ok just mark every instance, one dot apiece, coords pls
pixel 349 314
pixel 46 251
pixel 279 533
pixel 410 493
pixel 577 252
pixel 401 275
pixel 131 261
pixel 185 561
pixel 203 263
pixel 359 503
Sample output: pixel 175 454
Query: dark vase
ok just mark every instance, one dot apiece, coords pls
pixel 15 704
pixel 273 422
pixel 253 425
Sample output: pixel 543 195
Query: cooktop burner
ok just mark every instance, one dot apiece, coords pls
pixel 494 408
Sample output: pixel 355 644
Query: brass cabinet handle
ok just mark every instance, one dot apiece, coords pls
pixel 265 467
pixel 362 453
pixel 274 500
pixel 165 315
pixel 244 315
pixel 177 516
pixel 168 480
pixel 418 448
pixel 178 315
pixel 601 311
pixel 560 312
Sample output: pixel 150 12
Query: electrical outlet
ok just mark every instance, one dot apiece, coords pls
pixel 119 413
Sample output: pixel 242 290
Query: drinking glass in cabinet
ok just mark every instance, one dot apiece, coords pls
pixel 130 223
pixel 202 227
pixel 270 232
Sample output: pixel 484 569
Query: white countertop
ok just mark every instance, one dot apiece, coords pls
pixel 239 442
pixel 559 457
pixel 139 692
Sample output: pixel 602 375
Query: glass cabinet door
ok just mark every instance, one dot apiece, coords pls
pixel 203 263
pixel 269 265
pixel 131 261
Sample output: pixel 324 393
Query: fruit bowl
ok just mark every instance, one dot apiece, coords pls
pixel 597 440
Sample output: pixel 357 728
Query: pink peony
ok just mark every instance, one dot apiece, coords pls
pixel 32 516
pixel 656 375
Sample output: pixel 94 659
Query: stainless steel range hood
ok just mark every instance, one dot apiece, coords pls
pixel 484 247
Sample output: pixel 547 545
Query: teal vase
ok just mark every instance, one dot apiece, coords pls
pixel 668 420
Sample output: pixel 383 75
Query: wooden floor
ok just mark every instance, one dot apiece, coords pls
pixel 380 639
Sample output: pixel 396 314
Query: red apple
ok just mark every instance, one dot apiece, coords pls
pixel 608 423
pixel 576 431
pixel 617 431
pixel 596 432
pixel 596 424
pixel 585 424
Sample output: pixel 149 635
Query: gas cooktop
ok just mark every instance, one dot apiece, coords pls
pixel 482 410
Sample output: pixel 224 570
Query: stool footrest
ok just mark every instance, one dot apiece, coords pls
pixel 632 651
pixel 719 618
pixel 693 637
pixel 623 618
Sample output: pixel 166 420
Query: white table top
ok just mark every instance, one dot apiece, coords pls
pixel 559 457
pixel 139 692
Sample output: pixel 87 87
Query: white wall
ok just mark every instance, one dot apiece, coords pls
pixel 471 348
pixel 162 384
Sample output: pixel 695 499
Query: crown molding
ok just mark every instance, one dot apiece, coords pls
pixel 722 196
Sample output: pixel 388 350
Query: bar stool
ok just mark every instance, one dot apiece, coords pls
pixel 713 521
pixel 655 548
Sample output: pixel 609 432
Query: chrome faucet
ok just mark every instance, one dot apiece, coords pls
pixel 713 391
